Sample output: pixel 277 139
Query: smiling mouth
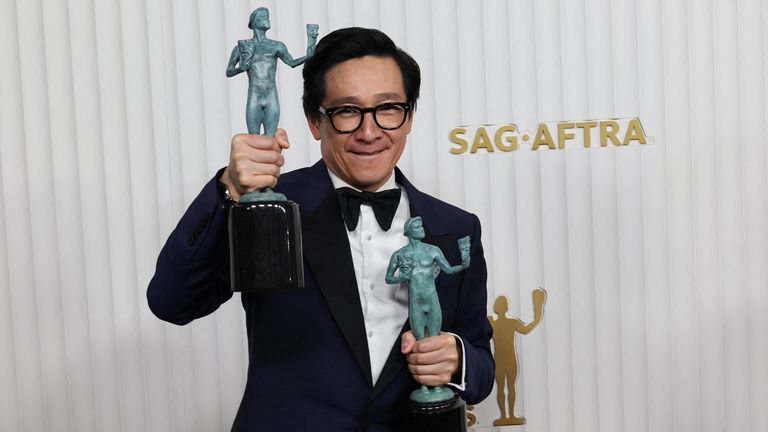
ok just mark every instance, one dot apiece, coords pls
pixel 369 153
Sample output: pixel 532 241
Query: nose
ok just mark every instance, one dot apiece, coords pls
pixel 368 130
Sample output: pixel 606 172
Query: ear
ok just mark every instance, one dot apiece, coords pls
pixel 314 126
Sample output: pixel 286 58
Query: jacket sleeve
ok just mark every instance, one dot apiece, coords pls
pixel 473 327
pixel 191 278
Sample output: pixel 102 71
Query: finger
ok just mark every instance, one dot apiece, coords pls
pixel 432 377
pixel 255 177
pixel 442 370
pixel 245 155
pixel 261 142
pixel 434 343
pixel 407 341
pixel 433 357
pixel 244 172
pixel 270 157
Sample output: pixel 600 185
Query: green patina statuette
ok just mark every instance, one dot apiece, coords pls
pixel 258 57
pixel 418 265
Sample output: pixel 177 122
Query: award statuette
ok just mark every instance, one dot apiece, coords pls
pixel 438 408
pixel 264 227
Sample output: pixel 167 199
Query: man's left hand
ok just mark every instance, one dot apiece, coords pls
pixel 432 360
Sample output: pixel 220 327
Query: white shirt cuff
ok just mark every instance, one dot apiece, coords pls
pixel 461 385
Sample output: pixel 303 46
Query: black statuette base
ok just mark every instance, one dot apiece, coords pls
pixel 445 416
pixel 265 246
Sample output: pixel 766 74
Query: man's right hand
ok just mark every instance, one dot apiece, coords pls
pixel 254 162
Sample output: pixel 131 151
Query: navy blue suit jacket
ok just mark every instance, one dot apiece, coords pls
pixel 309 368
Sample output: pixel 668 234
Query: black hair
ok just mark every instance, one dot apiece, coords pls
pixel 350 43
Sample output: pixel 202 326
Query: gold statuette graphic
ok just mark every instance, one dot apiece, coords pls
pixel 505 354
pixel 471 417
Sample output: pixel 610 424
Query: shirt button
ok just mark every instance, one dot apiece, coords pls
pixel 368 237
pixel 370 333
pixel 371 286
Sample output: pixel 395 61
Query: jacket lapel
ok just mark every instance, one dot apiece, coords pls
pixel 327 252
pixel 395 362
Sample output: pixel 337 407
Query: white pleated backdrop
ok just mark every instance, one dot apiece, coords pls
pixel 113 114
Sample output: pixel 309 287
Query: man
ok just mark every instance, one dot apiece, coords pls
pixel 350 361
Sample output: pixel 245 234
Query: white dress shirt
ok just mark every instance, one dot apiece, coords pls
pixel 385 306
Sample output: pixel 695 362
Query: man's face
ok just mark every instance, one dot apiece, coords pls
pixel 366 157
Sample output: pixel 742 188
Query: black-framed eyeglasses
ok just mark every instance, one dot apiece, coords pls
pixel 349 118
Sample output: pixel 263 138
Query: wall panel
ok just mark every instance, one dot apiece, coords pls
pixel 94 223
pixel 754 233
pixel 21 392
pixel 752 15
pixel 633 348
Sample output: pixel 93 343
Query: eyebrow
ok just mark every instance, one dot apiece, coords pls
pixel 355 99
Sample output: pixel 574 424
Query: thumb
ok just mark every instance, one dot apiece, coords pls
pixel 281 136
pixel 407 341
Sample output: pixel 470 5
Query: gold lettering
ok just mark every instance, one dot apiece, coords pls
pixel 635 132
pixel 608 130
pixel 587 126
pixel 511 139
pixel 543 137
pixel 482 140
pixel 461 143
pixel 562 135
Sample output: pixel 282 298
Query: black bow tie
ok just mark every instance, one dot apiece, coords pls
pixel 384 205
